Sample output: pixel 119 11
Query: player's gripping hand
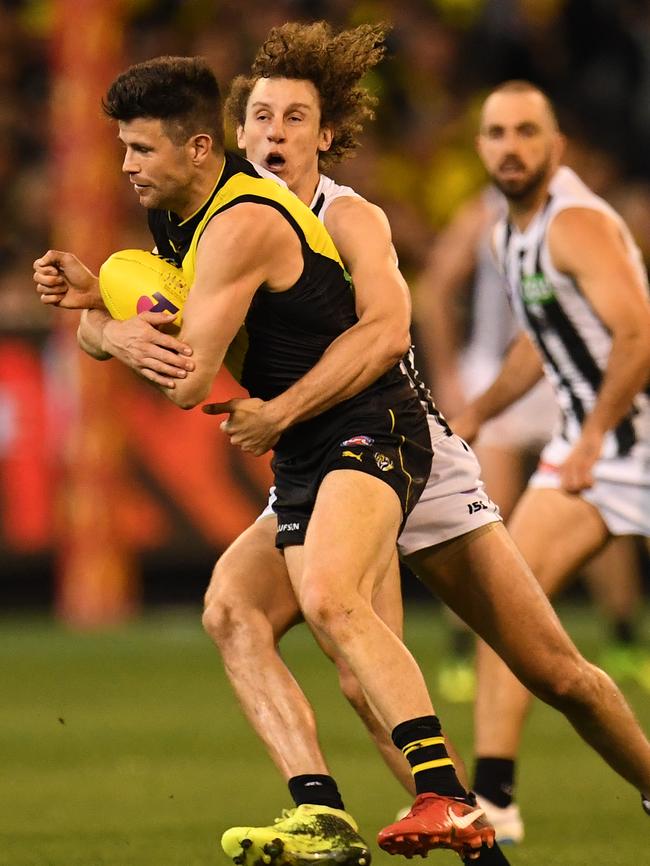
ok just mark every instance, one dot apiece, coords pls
pixel 466 424
pixel 141 345
pixel 63 281
pixel 252 424
pixel 576 471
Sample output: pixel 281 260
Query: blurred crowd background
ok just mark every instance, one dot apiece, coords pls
pixel 417 161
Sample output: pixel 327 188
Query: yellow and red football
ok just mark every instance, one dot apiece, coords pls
pixel 136 281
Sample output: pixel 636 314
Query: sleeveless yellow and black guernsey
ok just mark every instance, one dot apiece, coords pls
pixel 285 333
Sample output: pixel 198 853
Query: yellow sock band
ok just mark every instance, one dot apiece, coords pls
pixel 420 744
pixel 430 765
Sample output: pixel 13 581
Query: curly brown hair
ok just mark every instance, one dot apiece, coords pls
pixel 335 63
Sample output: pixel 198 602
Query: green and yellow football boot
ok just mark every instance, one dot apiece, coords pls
pixel 303 836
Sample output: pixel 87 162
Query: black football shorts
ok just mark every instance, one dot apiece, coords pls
pixel 392 444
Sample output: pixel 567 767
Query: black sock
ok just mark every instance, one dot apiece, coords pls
pixel 462 642
pixel 424 748
pixel 315 789
pixel 493 856
pixel 494 779
pixel 624 631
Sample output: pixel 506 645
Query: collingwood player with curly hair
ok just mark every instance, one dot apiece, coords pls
pixel 458 548
pixel 300 109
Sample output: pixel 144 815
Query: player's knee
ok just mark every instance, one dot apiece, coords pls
pixel 317 611
pixel 565 683
pixel 239 619
pixel 324 610
pixel 217 620
pixel 221 609
pixel 583 687
pixel 237 630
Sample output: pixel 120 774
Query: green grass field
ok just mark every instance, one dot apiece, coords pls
pixel 127 748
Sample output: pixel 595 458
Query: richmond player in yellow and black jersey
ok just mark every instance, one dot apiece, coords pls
pixel 258 258
pixel 284 335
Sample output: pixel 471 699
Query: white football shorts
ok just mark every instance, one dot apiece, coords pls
pixel 621 490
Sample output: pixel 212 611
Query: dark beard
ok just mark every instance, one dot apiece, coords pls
pixel 521 190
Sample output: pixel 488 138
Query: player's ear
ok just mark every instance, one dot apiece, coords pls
pixel 325 138
pixel 559 146
pixel 478 144
pixel 200 147
pixel 241 137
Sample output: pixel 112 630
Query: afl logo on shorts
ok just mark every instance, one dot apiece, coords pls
pixel 358 440
pixel 384 463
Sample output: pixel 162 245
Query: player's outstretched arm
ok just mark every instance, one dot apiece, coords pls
pixel 62 280
pixel 588 246
pixel 521 369
pixel 360 355
pixel 441 295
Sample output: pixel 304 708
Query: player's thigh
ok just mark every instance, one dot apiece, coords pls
pixel 252 574
pixel 351 537
pixel 489 585
pixel 503 473
pixel 556 533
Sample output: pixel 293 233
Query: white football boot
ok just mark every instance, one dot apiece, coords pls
pixel 506 821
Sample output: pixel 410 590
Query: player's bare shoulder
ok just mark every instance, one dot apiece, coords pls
pixel 247 222
pixel 577 232
pixel 347 212
pixel 252 235
pixel 356 224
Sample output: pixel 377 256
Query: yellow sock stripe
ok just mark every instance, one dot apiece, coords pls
pixel 429 765
pixel 418 744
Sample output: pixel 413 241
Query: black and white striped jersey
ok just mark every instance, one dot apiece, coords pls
pixel 573 341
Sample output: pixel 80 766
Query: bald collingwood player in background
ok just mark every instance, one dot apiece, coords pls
pixel 253 254
pixel 578 287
